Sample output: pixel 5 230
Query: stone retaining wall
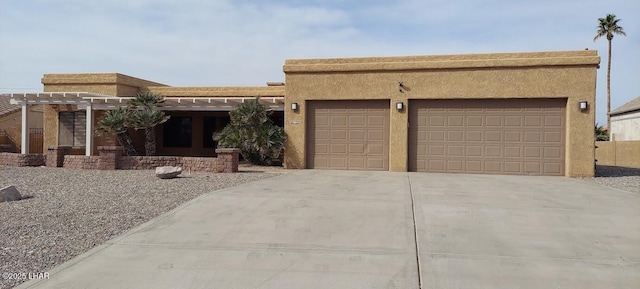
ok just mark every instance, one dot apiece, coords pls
pixel 111 158
pixel 81 162
pixel 20 160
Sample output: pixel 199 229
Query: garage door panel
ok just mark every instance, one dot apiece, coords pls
pixel 357 121
pixel 455 136
pixel 493 120
pixel 455 120
pixel 513 152
pixel 437 135
pixel 474 136
pixel 339 121
pixel 474 151
pixel 550 121
pixel 552 153
pixel 455 151
pixel 376 150
pixel 515 136
pixel 338 149
pixel 513 121
pixel 534 121
pixel 339 135
pixel 348 135
pixel 375 135
pixel 475 120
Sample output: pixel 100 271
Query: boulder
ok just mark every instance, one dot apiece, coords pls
pixel 10 193
pixel 168 172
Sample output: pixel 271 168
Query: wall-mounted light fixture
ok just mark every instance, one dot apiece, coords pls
pixel 583 105
pixel 399 105
pixel 294 106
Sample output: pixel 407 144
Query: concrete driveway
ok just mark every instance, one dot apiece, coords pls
pixel 343 229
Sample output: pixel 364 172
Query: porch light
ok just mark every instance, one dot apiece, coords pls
pixel 583 104
pixel 399 105
pixel 294 106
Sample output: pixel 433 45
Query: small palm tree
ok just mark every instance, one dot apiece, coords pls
pixel 608 26
pixel 253 132
pixel 115 122
pixel 144 114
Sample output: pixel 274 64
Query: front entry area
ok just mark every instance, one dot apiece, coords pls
pixel 348 135
pixel 488 136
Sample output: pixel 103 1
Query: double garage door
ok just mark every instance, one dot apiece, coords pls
pixel 515 136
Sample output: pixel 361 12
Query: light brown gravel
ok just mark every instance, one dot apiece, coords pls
pixel 68 212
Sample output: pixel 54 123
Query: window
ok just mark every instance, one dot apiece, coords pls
pixel 208 128
pixel 72 128
pixel 210 125
pixel 177 132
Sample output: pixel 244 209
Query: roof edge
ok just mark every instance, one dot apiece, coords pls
pixel 493 60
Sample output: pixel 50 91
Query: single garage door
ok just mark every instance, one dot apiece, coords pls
pixel 348 135
pixel 514 136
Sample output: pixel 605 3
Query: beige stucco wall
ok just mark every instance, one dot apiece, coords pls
pixel 113 84
pixel 566 74
pixel 618 153
pixel 625 127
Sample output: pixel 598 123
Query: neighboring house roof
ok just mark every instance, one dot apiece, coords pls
pixel 6 107
pixel 633 105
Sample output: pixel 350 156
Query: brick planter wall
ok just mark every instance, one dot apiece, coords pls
pixel 55 155
pixel 200 164
pixel 228 160
pixel 111 158
pixel 20 160
pixel 147 162
pixel 109 155
pixel 81 162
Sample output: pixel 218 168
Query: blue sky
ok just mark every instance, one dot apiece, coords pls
pixel 229 43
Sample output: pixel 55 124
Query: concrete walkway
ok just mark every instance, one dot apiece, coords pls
pixel 343 229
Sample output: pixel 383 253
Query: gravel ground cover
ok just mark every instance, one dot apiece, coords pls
pixel 622 178
pixel 67 212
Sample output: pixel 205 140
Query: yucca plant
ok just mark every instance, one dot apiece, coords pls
pixel 253 132
pixel 115 122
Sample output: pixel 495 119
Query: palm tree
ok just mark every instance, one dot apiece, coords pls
pixel 144 114
pixel 115 122
pixel 608 26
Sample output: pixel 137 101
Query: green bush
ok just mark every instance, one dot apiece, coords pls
pixel 253 132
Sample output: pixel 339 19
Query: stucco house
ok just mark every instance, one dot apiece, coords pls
pixel 625 121
pixel 500 113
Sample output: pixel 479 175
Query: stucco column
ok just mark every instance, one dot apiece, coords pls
pixel 398 134
pixel 25 128
pixel 89 134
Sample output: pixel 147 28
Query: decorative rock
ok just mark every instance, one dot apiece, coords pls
pixel 10 193
pixel 168 172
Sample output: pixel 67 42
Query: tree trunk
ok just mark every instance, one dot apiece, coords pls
pixel 609 89
pixel 150 141
pixel 125 141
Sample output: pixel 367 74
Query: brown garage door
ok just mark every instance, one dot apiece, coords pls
pixel 348 135
pixel 515 136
